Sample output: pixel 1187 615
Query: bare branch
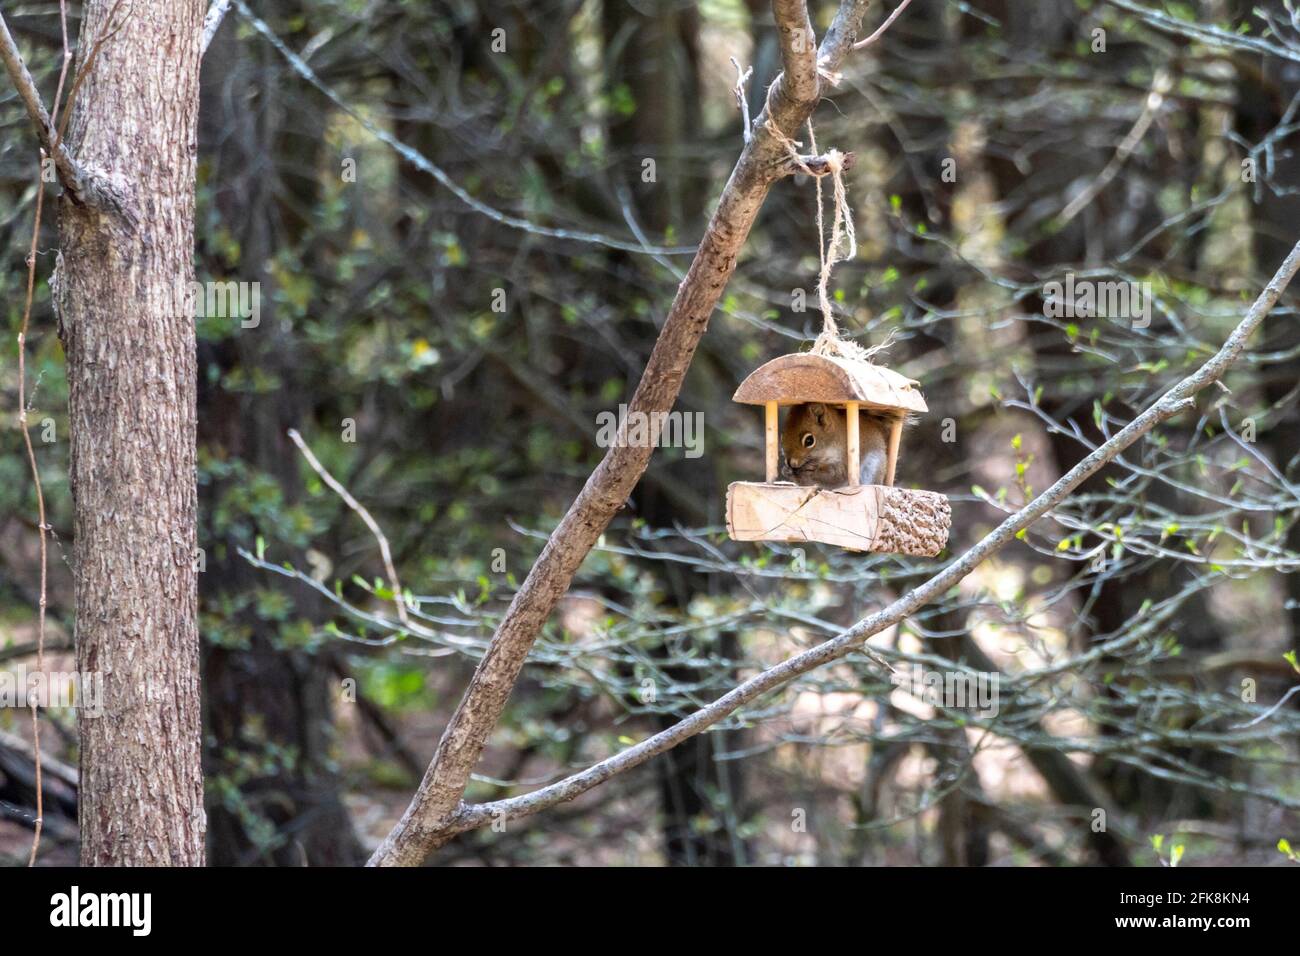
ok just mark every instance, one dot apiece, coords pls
pixel 73 177
pixel 67 60
pixel 55 768
pixel 822 164
pixel 32 648
pixel 742 103
pixel 843 31
pixel 212 23
pixel 798 81
pixel 1160 87
pixel 889 22
pixel 385 552
pixel 1211 35
pixel 1272 710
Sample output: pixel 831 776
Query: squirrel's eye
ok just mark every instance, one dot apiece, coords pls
pixel 809 440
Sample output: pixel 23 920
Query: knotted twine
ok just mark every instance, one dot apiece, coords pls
pixel 843 244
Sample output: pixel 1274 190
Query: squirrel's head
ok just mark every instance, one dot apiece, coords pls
pixel 808 434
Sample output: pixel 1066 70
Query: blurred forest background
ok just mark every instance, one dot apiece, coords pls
pixel 1140 633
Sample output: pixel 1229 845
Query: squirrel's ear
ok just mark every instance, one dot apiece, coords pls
pixel 818 412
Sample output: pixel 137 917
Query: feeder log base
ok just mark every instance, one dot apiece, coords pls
pixel 867 518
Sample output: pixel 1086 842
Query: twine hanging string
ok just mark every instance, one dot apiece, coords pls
pixel 843 244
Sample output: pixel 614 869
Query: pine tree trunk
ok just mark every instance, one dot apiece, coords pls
pixel 131 378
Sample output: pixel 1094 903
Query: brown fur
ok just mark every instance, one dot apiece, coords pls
pixel 823 464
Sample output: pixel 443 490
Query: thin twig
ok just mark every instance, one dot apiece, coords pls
pixel 67 59
pixel 26 650
pixel 889 22
pixel 27 441
pixel 1271 711
pixel 71 175
pixel 84 70
pixel 359 508
pixel 1160 86
pixel 54 769
pixel 212 22
pixel 742 76
pixel 40 495
pixel 1211 35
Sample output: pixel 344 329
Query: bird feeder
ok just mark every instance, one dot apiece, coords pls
pixel 879 518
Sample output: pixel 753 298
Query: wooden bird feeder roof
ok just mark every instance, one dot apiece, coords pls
pixel 807 377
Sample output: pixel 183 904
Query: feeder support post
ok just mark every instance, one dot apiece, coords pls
pixel 772 445
pixel 895 435
pixel 853 453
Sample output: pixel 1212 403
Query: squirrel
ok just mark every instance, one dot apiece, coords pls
pixel 815 438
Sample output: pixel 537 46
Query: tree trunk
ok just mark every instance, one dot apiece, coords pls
pixel 131 380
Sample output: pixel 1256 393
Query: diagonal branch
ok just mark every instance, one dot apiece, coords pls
pixel 84 185
pixel 1177 399
pixel 762 162
pixel 1160 87
pixel 71 175
pixel 385 552
pixel 889 22
pixel 1211 35
pixel 842 34
pixel 212 23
